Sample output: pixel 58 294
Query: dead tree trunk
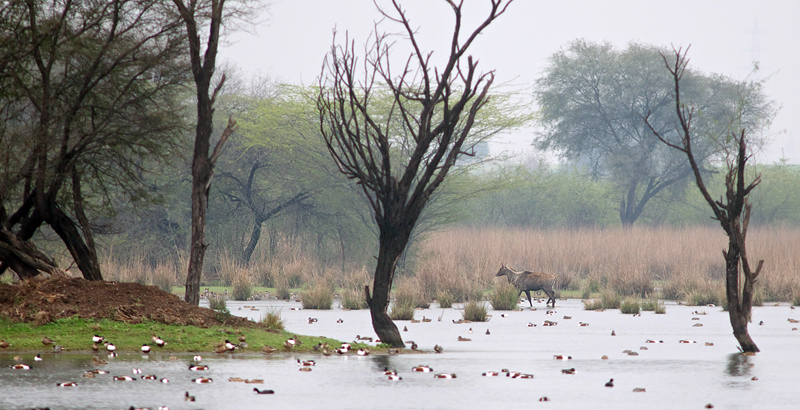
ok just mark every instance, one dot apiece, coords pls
pixel 732 211
pixel 401 151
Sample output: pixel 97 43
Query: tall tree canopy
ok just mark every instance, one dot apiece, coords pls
pixel 88 93
pixel 593 100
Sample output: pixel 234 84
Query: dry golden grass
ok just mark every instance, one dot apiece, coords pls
pixel 635 261
pixel 671 263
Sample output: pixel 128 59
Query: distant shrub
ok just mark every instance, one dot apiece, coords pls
pixel 504 297
pixel 593 304
pixel 242 286
pixel 353 300
pixel 653 305
pixel 273 321
pixel 404 306
pixel 282 291
pixel 445 299
pixel 317 297
pixel 586 293
pixel 703 297
pixel 629 306
pixel 475 311
pixel 610 299
pixel 217 302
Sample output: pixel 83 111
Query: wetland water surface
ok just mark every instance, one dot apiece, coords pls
pixel 675 375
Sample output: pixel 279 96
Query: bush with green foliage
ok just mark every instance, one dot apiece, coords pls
pixel 703 297
pixel 242 287
pixel 318 296
pixel 445 299
pixel 504 297
pixel 353 300
pixel 593 304
pixel 629 306
pixel 273 321
pixel 610 299
pixel 405 303
pixel 653 305
pixel 475 311
pixel 282 291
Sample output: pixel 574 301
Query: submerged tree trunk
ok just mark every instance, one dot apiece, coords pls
pixel 388 255
pixel 739 306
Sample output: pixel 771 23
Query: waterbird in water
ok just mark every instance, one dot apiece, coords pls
pixel 188 397
pixel 610 383
pixel 265 391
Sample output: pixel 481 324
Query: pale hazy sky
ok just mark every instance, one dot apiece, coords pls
pixel 725 37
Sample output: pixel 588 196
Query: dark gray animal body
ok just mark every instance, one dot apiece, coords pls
pixel 530 281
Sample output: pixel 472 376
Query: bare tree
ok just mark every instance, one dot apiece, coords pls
pixel 193 13
pixel 732 211
pixel 435 107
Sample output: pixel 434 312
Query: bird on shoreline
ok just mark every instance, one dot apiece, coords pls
pixel 47 341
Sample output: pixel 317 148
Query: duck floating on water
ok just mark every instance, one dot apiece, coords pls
pixel 20 366
pixel 265 391
pixel 67 384
pixel 438 349
pixel 202 380
pixel 421 368
pixel 124 378
pixel 610 383
pixel 445 376
pixel 197 367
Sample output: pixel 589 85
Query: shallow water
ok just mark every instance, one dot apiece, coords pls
pixel 675 375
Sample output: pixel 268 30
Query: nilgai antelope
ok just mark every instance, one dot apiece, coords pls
pixel 530 281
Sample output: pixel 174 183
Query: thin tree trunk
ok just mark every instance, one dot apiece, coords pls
pixel 198 247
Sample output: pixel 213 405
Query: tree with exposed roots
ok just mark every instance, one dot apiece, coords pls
pixel 732 211
pixel 401 152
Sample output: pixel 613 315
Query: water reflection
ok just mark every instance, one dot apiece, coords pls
pixel 739 365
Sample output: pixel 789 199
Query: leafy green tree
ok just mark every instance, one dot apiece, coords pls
pixel 594 99
pixel 87 102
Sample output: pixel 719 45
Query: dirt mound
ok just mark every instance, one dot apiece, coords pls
pixel 42 301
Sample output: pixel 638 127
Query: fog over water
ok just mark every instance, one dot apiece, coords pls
pixel 292 38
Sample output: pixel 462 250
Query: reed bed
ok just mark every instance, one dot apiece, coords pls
pixel 671 263
pixel 458 264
